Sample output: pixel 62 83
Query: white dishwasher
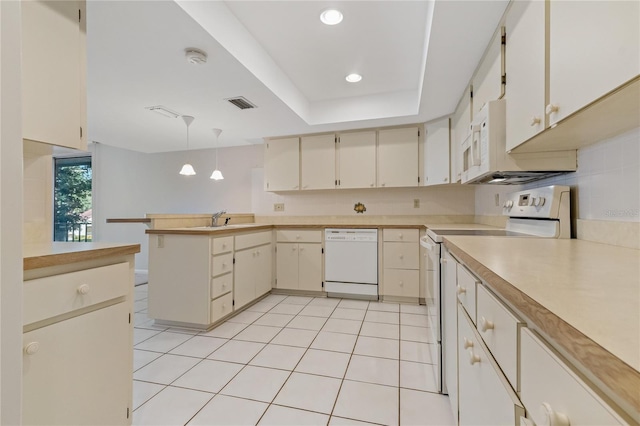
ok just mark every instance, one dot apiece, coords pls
pixel 351 263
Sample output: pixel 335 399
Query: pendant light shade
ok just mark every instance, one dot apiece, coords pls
pixel 217 174
pixel 187 169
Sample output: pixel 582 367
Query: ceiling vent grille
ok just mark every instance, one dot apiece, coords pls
pixel 241 102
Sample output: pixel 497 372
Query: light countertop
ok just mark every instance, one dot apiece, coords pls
pixel 231 229
pixel 59 253
pixel 583 295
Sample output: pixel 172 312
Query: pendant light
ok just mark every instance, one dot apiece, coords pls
pixel 187 169
pixel 217 174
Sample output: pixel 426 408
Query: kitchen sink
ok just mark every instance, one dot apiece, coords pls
pixel 239 225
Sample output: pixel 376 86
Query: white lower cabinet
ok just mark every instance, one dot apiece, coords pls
pixel 484 394
pixel 299 260
pixel 401 265
pixel 252 268
pixel 78 371
pixel 552 393
pixel 450 328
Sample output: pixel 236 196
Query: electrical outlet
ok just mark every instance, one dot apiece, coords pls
pixel 497 199
pixel 160 241
pixel 278 207
pixel 416 203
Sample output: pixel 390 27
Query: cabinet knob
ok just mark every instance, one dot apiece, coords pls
pixel 551 108
pixel 224 306
pixel 445 179
pixel 224 265
pixel 535 121
pixel 305 186
pixel 467 343
pixel 83 289
pixel 224 245
pixel 295 187
pixel 552 418
pixel 293 248
pixel 460 290
pixel 297 236
pixel 401 283
pixel 383 184
pixel 401 256
pixel 224 285
pixel 473 358
pixel 371 184
pixel 485 324
pixel 31 348
pixel 443 260
pixel 400 235
pixel 301 248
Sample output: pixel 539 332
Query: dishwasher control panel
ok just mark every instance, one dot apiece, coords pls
pixel 338 234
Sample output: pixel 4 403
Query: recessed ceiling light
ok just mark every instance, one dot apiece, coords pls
pixel 353 78
pixel 331 17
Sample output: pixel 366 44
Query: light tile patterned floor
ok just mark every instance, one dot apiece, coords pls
pixel 289 360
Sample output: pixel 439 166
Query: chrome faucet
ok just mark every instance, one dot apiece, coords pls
pixel 216 216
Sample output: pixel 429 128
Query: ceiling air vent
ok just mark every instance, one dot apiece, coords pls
pixel 241 102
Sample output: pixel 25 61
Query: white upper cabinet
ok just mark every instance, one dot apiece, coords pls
pixel 594 47
pixel 487 82
pixel 318 157
pixel 53 73
pixel 460 130
pixel 282 164
pixel 525 66
pixel 357 160
pixel 398 159
pixel 436 153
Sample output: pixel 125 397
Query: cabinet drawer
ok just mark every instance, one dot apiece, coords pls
pixel 50 296
pixel 221 307
pixel 252 240
pixel 498 328
pixel 222 245
pixel 221 285
pixel 484 394
pixel 547 383
pixel 298 236
pixel 221 264
pixel 401 255
pixel 466 290
pixel 401 282
pixel 403 235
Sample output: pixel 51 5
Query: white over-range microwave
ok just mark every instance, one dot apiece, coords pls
pixel 485 158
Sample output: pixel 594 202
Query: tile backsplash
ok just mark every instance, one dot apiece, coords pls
pixel 605 187
pixel 38 193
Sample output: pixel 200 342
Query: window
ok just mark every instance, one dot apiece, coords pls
pixel 72 199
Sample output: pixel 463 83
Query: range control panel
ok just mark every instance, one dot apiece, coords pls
pixel 543 203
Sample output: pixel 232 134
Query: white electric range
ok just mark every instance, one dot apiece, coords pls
pixel 541 212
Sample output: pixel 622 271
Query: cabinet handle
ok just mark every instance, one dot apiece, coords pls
pixel 371 184
pixel 401 256
pixel 31 348
pixel 401 283
pixel 297 237
pixel 383 184
pixel 467 343
pixel 301 248
pixel 551 108
pixel 445 179
pixel 305 186
pixel 400 235
pixel 535 121
pixel 295 187
pixel 443 260
pixel 485 324
pixel 83 289
pixel 460 290
pixel 553 418
pixel 473 358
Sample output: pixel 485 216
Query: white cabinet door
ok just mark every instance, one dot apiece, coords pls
pixel 594 48
pixel 264 274
pixel 487 82
pixel 318 157
pixel 282 164
pixel 436 153
pixel 244 283
pixel 525 68
pixel 287 266
pixel 450 329
pixel 357 160
pixel 484 395
pixel 53 73
pixel 310 267
pixel 80 371
pixel 460 126
pixel 398 159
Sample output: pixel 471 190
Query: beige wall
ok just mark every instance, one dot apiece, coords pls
pixel 38 193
